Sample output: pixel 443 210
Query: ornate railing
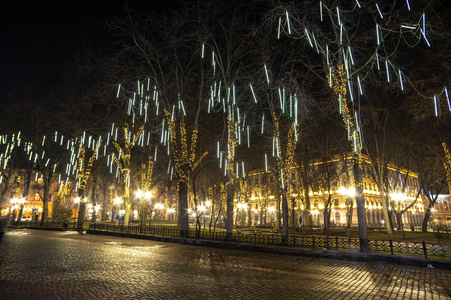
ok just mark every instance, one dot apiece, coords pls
pixel 402 248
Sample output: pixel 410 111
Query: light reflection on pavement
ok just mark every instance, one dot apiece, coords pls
pixel 65 265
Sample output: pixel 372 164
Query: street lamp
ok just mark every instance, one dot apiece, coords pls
pixel 398 198
pixel 242 207
pixel 315 212
pixel 159 206
pixel 171 211
pixel 144 197
pixel 349 194
pixel 272 209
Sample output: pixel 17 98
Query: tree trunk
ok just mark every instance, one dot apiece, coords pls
pixel 427 215
pixel 127 204
pixel 308 219
pixel 350 211
pixel 25 193
pixel 360 201
pixel 81 211
pixel 19 218
pixel 293 219
pixel 387 217
pixel 398 220
pixel 183 208
pixel 229 221
pixel 93 200
pixel 284 213
pixel 249 214
pixel 45 209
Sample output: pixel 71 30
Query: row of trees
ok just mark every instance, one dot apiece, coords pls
pixel 247 86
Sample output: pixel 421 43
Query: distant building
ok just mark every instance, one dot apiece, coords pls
pixel 263 194
pixel 441 213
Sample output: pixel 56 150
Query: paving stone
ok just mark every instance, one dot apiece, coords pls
pixel 65 265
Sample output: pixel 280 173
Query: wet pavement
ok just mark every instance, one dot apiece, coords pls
pixel 38 264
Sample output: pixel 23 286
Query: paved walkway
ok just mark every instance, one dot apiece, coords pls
pixel 38 264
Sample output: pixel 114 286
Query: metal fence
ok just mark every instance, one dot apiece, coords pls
pixel 402 248
pixel 50 224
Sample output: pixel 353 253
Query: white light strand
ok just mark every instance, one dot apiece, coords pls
pixel 253 93
pixel 118 90
pixel 378 9
pixel 288 22
pixel 267 78
pixel 436 106
pixel 400 80
pixel 388 71
pixel 266 162
pixel 321 9
pixel 447 98
pixel 360 85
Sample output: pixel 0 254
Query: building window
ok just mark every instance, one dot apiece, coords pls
pixel 36 197
pixel 337 203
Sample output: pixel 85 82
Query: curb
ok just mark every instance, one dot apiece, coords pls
pixel 331 254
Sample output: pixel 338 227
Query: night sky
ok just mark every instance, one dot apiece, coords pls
pixel 38 37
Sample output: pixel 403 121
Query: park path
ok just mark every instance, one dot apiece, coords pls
pixel 38 264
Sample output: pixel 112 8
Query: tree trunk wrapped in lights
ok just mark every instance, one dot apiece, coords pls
pixel 84 172
pixel 123 161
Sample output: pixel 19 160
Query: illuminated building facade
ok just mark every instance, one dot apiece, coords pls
pixel 264 191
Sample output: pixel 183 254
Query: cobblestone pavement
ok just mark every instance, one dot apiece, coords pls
pixel 65 265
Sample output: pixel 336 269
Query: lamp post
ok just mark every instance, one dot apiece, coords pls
pixel 397 200
pixel 202 210
pixel 159 206
pixel 209 207
pixel 144 197
pixel 171 211
pixel 315 213
pixel 272 209
pixel 242 207
pixel 348 194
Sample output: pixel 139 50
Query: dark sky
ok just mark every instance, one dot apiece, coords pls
pixel 37 37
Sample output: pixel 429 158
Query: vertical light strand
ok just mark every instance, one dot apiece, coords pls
pixel 388 71
pixel 321 9
pixel 266 73
pixel 253 93
pixel 379 10
pixel 436 105
pixel 378 37
pixel 360 85
pixel 400 80
pixel 248 137
pixel 447 98
pixel 288 22
pixel 266 162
